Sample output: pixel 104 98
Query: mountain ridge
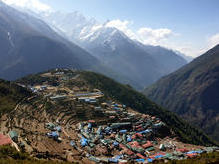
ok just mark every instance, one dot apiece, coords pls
pixel 116 50
pixel 192 91
pixel 22 38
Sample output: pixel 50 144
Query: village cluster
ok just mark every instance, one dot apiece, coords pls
pixel 132 141
pixel 126 136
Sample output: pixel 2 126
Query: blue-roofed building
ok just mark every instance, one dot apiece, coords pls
pixel 129 138
pixel 58 128
pixel 89 126
pixel 150 160
pixel 116 108
pixel 115 143
pixel 123 131
pixel 83 142
pixel 72 143
pixel 53 135
pixel 140 160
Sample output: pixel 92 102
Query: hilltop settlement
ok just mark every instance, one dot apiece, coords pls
pixel 67 119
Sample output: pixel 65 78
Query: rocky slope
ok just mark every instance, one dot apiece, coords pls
pixel 137 62
pixel 192 92
pixel 28 45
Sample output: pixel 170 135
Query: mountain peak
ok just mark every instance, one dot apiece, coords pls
pixel 29 45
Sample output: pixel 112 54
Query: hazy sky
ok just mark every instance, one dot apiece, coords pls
pixel 190 26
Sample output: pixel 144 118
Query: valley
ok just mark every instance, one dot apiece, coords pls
pixel 67 118
pixel 98 82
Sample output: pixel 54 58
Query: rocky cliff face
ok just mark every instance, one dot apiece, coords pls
pixel 192 92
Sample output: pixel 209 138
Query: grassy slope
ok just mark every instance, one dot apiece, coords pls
pixel 139 102
pixel 206 158
pixel 9 155
pixel 10 95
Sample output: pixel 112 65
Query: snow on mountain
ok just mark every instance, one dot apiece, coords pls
pixel 28 45
pixel 73 25
pixel 80 29
pixel 113 48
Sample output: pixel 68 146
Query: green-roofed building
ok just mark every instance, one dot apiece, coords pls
pixel 150 148
pixel 14 135
pixel 50 126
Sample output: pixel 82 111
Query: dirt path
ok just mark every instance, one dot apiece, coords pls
pixel 66 134
pixel 15 145
pixel 17 106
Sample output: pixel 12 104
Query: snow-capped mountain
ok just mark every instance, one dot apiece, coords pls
pixel 28 45
pixel 143 64
pixel 133 62
pixel 71 24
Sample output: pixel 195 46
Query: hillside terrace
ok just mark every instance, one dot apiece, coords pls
pixel 76 123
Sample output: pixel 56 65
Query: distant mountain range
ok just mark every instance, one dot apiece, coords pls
pixel 143 64
pixel 28 45
pixel 187 58
pixel 192 92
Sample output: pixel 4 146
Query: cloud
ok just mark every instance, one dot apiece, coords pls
pixel 213 40
pixel 35 5
pixel 122 26
pixel 191 50
pixel 160 36
pixel 145 35
pixel 194 51
pixel 87 31
pixel 96 27
pixel 163 37
pixel 153 36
